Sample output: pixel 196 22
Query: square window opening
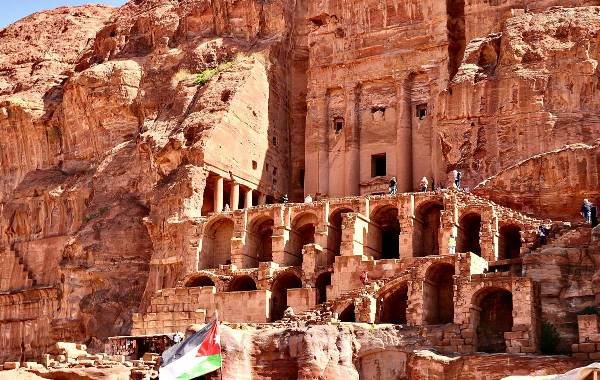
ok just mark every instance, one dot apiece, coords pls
pixel 338 124
pixel 422 111
pixel 378 165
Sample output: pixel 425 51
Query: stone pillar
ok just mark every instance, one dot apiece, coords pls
pixel 317 144
pixel 407 226
pixel 262 199
pixel 365 309
pixel 352 134
pixel 234 195
pixel 404 134
pixel 218 195
pixel 248 198
pixel 487 237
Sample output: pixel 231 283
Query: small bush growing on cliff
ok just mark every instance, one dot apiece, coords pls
pixel 101 211
pixel 549 339
pixel 590 310
pixel 206 75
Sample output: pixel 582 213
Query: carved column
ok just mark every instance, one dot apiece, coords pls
pixel 317 144
pixel 234 200
pixel 248 198
pixel 218 195
pixel 404 133
pixel 262 199
pixel 352 135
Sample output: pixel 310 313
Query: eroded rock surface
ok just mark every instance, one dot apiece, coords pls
pixel 126 132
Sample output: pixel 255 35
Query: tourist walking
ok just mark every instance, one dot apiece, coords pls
pixel 393 189
pixel 457 178
pixel 452 244
pixel 424 184
pixel 586 211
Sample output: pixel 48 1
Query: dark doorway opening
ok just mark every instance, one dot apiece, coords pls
pixel 495 318
pixel 438 294
pixel 197 282
pixel 348 315
pixel 279 289
pixel 393 307
pixel 323 281
pixel 386 219
pixel 242 284
pixel 469 230
pixel 509 243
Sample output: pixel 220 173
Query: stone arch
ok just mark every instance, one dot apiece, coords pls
pixel 259 239
pixel 216 243
pixel 393 304
pixel 426 229
pixel 385 237
pixel 199 281
pixel 509 242
pixel 438 294
pixel 322 282
pixel 348 313
pixel 283 282
pixel 302 232
pixel 334 233
pixel 493 317
pixel 242 283
pixel 469 232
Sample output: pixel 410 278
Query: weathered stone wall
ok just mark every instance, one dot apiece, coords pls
pixel 540 185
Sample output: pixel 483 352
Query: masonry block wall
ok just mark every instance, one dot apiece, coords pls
pixel 279 253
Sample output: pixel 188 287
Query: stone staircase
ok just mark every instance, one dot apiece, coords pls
pixel 20 277
pixel 566 235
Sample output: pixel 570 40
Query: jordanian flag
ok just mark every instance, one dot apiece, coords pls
pixel 196 356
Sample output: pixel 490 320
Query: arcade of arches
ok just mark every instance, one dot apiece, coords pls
pixel 416 289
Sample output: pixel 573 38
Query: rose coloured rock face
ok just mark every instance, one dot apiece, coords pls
pixel 144 151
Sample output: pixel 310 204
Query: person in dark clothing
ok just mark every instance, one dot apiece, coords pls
pixel 542 234
pixel 393 186
pixel 594 216
pixel 586 211
pixel 457 178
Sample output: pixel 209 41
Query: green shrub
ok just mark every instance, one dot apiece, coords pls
pixel 101 211
pixel 205 76
pixel 549 339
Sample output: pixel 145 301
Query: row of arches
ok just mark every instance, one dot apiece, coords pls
pixel 383 238
pixel 492 317
pixel 279 288
pixel 493 306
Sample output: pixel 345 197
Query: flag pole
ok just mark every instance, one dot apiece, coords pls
pixel 216 320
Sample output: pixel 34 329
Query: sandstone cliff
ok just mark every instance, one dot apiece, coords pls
pixel 119 127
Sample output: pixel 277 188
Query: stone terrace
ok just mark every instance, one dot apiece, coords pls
pixel 250 265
